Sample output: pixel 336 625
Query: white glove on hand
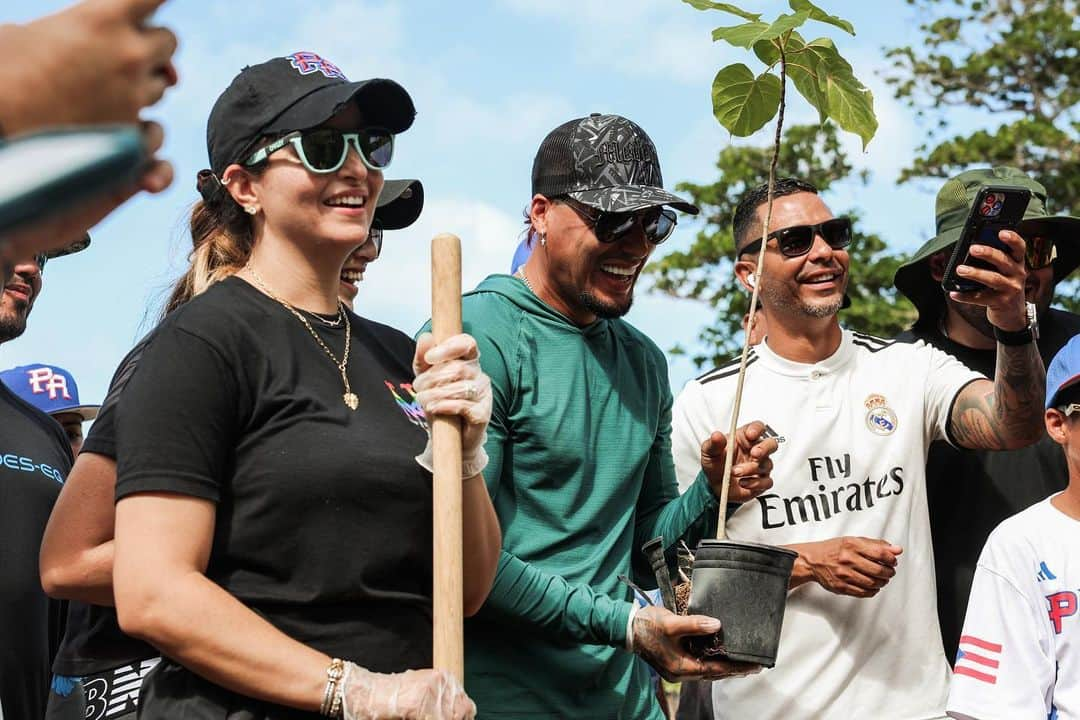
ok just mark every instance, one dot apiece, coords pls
pixel 411 695
pixel 449 381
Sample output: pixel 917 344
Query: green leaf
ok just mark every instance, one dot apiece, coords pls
pixel 802 68
pixel 747 34
pixel 816 13
pixel 725 7
pixel 850 103
pixel 744 35
pixel 743 103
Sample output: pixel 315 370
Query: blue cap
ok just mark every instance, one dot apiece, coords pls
pixel 1064 371
pixel 49 388
pixel 520 255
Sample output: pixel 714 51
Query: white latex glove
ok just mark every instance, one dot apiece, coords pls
pixel 449 381
pixel 411 695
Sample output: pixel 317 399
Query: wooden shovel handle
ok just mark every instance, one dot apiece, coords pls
pixel 449 645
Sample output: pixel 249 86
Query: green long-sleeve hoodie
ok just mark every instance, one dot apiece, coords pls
pixel 581 476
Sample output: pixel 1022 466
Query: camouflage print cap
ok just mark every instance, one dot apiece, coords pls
pixel 606 162
pixel 953 204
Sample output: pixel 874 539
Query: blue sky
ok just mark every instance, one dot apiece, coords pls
pixel 489 79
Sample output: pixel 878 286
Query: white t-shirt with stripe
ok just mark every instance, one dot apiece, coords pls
pixel 855 431
pixel 1019 653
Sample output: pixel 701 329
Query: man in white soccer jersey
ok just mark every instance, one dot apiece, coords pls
pixel 856 415
pixel 1020 649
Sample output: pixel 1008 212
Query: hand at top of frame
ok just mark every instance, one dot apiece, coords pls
pixel 95 62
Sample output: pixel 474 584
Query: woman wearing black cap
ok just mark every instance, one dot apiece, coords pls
pixel 97 667
pixel 272 525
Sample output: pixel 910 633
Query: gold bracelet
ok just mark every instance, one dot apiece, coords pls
pixel 336 704
pixel 332 694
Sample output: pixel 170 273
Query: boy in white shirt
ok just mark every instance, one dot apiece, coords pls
pixel 1020 648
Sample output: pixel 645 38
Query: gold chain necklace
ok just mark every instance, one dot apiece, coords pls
pixel 525 279
pixel 349 397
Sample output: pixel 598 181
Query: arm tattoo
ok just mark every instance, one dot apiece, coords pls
pixel 1010 416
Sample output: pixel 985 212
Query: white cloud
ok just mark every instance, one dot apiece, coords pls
pixel 396 289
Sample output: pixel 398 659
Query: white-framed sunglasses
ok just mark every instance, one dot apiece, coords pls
pixel 323 150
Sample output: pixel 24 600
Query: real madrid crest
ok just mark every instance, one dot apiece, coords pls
pixel 879 416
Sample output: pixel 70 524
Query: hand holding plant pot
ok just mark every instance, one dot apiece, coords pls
pixel 750 473
pixel 659 638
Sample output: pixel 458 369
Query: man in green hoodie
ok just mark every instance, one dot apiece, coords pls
pixel 581 473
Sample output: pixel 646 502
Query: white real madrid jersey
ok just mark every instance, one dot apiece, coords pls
pixel 855 429
pixel 1019 652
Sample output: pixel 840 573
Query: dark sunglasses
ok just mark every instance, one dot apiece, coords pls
pixel 657 223
pixel 1039 252
pixel 375 237
pixel 323 150
pixel 798 239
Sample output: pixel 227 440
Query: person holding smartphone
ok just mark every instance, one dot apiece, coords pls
pixel 273 526
pixel 971 491
pixel 857 414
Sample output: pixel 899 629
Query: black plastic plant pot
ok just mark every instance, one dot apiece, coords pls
pixel 745 586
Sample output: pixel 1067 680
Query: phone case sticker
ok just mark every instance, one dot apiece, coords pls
pixel 992 204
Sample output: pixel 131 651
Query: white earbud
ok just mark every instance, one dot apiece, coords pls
pixel 751 280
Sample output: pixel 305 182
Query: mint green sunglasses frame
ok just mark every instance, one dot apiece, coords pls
pixel 296 139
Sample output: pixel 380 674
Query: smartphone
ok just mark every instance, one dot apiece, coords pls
pixel 996 208
pixel 51 171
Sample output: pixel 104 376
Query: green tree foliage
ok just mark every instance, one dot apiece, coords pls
pixel 1015 65
pixel 704 271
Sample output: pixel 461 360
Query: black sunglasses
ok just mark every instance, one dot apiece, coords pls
pixel 375 237
pixel 798 239
pixel 1039 251
pixel 657 223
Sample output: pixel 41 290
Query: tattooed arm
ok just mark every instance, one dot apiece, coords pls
pixel 1006 414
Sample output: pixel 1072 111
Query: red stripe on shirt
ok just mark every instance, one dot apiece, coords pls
pixel 984 677
pixel 971 639
pixel 981 660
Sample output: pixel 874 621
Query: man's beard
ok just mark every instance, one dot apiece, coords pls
pixel 12 325
pixel 975 316
pixel 779 299
pixel 605 310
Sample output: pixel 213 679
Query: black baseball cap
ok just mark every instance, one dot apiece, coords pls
pixel 295 92
pixel 603 161
pixel 400 204
pixel 78 246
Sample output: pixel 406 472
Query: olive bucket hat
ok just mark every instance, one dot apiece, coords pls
pixel 953 204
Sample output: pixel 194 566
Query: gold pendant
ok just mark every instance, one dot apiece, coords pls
pixel 351 400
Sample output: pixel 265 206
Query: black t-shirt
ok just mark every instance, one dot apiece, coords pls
pixel 323 522
pixel 35 457
pixel 93 641
pixel 971 491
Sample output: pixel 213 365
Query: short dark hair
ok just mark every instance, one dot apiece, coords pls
pixel 745 224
